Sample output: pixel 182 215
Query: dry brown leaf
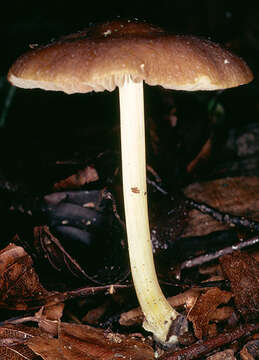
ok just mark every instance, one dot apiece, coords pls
pixel 237 196
pixel 14 334
pixel 135 316
pixel 17 352
pixel 48 349
pixel 223 355
pixel 77 342
pixel 222 313
pixel 13 342
pixel 47 245
pixel 93 316
pixel 76 181
pixel 20 288
pixel 204 309
pixel 48 318
pixel 53 312
pixel 243 272
pixel 250 351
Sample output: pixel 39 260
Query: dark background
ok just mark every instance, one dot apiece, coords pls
pixel 40 124
pixel 23 23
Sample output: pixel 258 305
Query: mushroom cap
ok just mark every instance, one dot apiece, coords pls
pixel 101 57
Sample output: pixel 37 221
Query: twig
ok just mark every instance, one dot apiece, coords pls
pixel 108 196
pixel 93 290
pixel 19 320
pixel 229 219
pixel 199 260
pixel 58 297
pixel 232 220
pixel 157 187
pixel 68 260
pixel 203 347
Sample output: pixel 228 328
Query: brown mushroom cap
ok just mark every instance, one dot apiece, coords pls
pixel 99 58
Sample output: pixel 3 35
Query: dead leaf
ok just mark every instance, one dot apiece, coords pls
pixel 49 246
pixel 93 316
pixel 237 196
pixel 17 352
pixel 223 355
pixel 48 318
pixel 76 181
pixel 243 272
pixel 77 342
pixel 250 351
pixel 48 349
pixel 17 333
pixel 222 313
pixel 12 342
pixel 135 316
pixel 20 288
pixel 204 308
pixel 53 312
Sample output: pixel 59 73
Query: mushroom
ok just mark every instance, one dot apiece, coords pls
pixel 125 54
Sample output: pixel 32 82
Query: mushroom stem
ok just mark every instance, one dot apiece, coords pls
pixel 158 313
